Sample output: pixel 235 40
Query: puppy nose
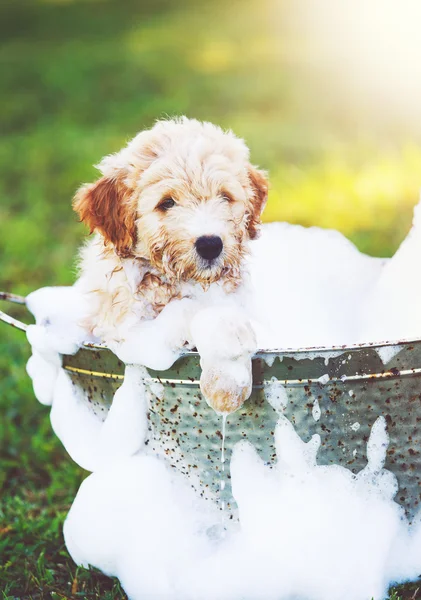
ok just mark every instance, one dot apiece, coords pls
pixel 209 246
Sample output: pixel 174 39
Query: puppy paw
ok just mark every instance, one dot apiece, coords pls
pixel 224 333
pixel 226 385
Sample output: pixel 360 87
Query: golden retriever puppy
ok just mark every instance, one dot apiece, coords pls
pixel 173 214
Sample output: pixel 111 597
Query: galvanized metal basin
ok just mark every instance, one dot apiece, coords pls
pixel 336 392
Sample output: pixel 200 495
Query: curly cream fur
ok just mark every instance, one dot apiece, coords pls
pixel 143 256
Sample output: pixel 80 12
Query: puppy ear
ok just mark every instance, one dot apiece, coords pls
pixel 259 186
pixel 105 207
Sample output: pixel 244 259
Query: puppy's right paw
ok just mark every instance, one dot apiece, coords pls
pixel 223 333
pixel 226 385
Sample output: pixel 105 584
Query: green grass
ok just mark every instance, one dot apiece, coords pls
pixel 80 78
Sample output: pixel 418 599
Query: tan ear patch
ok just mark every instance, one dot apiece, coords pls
pixel 259 185
pixel 106 207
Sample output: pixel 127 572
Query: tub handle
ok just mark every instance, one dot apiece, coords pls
pixel 6 296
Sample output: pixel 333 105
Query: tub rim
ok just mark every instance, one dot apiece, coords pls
pixel 261 352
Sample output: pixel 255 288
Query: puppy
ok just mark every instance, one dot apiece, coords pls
pixel 173 214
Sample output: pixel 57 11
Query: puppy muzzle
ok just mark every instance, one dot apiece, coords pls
pixel 209 247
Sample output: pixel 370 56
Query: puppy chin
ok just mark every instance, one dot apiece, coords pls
pixel 209 271
pixel 209 266
pixel 197 269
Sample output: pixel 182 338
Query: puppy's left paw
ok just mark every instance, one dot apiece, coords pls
pixel 226 385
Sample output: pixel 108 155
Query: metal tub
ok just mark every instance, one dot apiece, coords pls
pixel 336 392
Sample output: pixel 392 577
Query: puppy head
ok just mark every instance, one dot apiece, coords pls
pixel 182 195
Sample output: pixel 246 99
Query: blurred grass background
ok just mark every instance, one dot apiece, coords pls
pixel 78 79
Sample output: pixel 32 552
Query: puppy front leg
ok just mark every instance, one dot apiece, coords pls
pixel 226 343
pixel 157 343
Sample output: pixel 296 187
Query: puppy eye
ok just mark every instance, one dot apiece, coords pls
pixel 227 197
pixel 166 204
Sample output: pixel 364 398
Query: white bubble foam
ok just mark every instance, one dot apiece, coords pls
pixel 141 521
pixel 316 411
pixel 138 521
pixel 276 394
pixel 392 309
pixel 387 353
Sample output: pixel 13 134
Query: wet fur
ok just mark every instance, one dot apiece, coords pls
pixel 143 255
pixel 206 171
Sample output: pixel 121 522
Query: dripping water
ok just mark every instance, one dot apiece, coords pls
pixel 222 482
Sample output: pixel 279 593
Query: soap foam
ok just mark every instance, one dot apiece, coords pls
pixel 94 440
pixel 309 286
pixel 276 394
pixel 305 531
pixel 392 310
pixel 91 438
